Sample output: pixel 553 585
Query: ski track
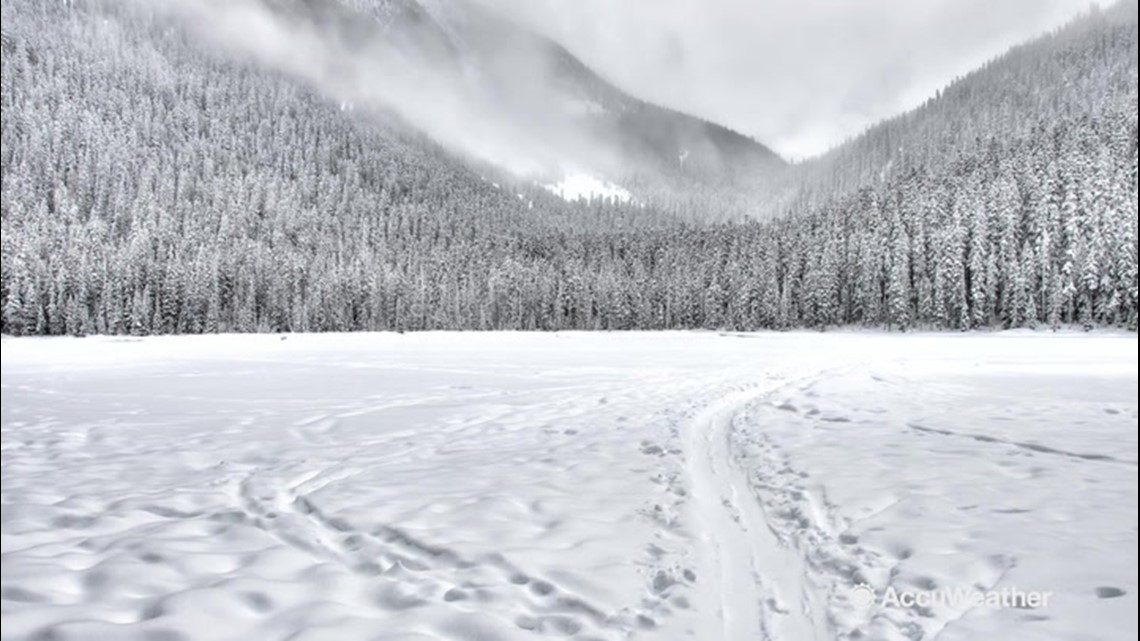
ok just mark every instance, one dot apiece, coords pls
pixel 762 589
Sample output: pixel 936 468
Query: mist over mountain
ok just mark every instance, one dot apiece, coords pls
pixel 313 165
pixel 485 87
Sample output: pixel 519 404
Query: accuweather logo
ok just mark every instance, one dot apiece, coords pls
pixel 864 596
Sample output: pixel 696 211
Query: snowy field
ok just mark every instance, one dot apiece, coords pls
pixel 587 486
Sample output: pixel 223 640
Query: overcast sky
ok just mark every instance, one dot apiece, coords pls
pixel 798 75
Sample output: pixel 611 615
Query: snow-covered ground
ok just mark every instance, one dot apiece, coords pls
pixel 579 186
pixel 591 486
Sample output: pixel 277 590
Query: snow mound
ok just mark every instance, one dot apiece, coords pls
pixel 579 186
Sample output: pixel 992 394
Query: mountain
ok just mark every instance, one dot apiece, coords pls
pixel 1008 199
pixel 541 89
pixel 1083 71
pixel 489 47
pixel 293 166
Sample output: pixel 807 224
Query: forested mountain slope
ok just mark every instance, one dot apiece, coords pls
pixel 1008 199
pixel 153 184
pixel 150 184
pixel 1085 70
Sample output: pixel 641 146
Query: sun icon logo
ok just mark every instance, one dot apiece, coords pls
pixel 862 596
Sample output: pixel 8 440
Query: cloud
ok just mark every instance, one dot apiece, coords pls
pixel 798 75
pixel 337 53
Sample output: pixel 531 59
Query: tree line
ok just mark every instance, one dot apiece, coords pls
pixel 151 186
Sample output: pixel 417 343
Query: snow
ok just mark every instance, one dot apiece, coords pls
pixel 688 485
pixel 584 106
pixel 581 186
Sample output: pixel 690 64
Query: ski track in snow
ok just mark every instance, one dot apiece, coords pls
pixel 762 592
pixel 591 487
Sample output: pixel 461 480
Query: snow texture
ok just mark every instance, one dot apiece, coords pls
pixel 500 486
pixel 579 186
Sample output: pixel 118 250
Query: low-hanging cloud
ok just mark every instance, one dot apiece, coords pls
pixel 343 58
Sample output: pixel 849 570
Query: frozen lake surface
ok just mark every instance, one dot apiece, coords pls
pixel 466 486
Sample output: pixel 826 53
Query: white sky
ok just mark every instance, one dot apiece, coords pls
pixel 798 75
